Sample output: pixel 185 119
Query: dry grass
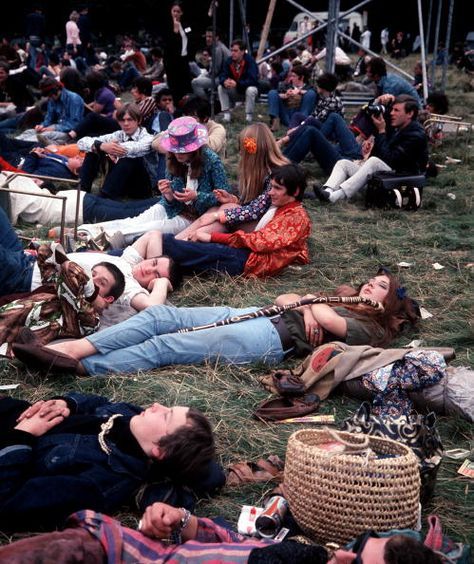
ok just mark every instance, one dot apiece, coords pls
pixel 347 243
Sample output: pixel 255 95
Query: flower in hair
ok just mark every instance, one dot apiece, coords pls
pixel 250 145
pixel 401 293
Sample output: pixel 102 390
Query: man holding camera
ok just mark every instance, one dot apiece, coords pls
pixel 400 145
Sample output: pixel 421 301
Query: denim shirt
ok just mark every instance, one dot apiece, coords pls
pixel 43 482
pixel 66 112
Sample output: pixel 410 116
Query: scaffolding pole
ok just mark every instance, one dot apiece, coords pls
pixel 448 41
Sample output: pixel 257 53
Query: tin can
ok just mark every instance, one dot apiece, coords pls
pixel 270 521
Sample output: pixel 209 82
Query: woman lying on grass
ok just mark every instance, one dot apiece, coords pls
pixel 150 339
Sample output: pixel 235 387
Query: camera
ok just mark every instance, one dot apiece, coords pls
pixel 374 109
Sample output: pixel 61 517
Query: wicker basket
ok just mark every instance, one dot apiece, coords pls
pixel 335 497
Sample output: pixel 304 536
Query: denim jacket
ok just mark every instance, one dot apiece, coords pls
pixel 44 480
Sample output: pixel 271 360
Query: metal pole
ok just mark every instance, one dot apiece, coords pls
pixel 213 60
pixel 231 22
pixel 428 27
pixel 436 41
pixel 448 41
pixel 331 37
pixel 245 35
pixel 423 55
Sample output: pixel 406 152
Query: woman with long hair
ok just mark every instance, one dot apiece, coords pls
pixel 259 156
pixel 356 324
pixel 152 339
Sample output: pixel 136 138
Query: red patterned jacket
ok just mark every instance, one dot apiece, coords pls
pixel 281 242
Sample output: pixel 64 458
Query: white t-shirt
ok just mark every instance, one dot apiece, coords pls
pixel 88 260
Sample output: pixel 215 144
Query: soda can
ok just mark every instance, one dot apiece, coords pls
pixel 270 521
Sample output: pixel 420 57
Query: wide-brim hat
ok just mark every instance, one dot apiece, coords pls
pixel 184 135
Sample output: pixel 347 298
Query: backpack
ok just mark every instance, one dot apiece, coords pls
pixel 389 190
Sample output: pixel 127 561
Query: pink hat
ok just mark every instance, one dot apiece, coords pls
pixel 184 135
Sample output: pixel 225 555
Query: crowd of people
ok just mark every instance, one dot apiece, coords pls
pixel 156 204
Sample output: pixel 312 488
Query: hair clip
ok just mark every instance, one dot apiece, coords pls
pixel 250 145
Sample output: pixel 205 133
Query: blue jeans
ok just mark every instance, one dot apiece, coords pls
pixel 278 108
pixel 149 340
pixel 319 142
pixel 10 125
pixel 96 209
pixel 195 258
pixel 16 267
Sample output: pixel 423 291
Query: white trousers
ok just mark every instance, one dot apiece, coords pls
pixel 32 209
pixel 351 176
pixel 226 95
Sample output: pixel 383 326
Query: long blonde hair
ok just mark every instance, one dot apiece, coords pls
pixel 257 159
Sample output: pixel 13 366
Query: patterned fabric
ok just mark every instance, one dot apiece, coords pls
pixel 281 242
pixel 60 309
pixel 147 107
pixel 139 145
pixel 213 176
pixel 327 104
pixel 415 371
pixel 121 544
pixel 252 211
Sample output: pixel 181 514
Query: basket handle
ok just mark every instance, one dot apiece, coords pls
pixel 362 447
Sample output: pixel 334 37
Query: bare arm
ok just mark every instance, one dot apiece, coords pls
pixel 158 293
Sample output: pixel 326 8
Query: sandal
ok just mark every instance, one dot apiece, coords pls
pixel 253 472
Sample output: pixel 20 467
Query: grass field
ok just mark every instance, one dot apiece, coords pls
pixel 348 242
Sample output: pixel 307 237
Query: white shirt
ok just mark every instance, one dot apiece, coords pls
pixel 340 56
pixel 88 260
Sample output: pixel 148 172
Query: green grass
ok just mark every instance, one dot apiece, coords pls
pixel 347 243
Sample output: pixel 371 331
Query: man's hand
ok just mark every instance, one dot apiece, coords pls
pixel 39 152
pixel 385 99
pixel 114 149
pixel 379 123
pixel 38 424
pixel 160 519
pixel 186 195
pixel 45 407
pixel 201 237
pixel 229 83
pixel 160 284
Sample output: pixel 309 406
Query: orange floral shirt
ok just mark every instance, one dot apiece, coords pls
pixel 281 242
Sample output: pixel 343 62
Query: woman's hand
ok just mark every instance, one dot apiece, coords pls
pixel 313 330
pixel 186 195
pixel 164 186
pixel 224 197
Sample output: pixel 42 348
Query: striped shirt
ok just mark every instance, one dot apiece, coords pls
pixel 121 544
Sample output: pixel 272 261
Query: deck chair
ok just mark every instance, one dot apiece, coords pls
pixel 438 127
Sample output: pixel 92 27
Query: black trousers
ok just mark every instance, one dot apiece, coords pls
pixel 127 178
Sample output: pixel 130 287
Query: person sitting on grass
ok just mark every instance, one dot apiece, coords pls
pixel 279 239
pixel 80 450
pixel 151 338
pixel 172 533
pixel 124 149
pixel 400 146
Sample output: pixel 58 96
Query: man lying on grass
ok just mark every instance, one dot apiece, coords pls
pixel 279 239
pixel 169 534
pixel 79 450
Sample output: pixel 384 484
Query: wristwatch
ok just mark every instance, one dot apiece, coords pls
pixel 97 144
